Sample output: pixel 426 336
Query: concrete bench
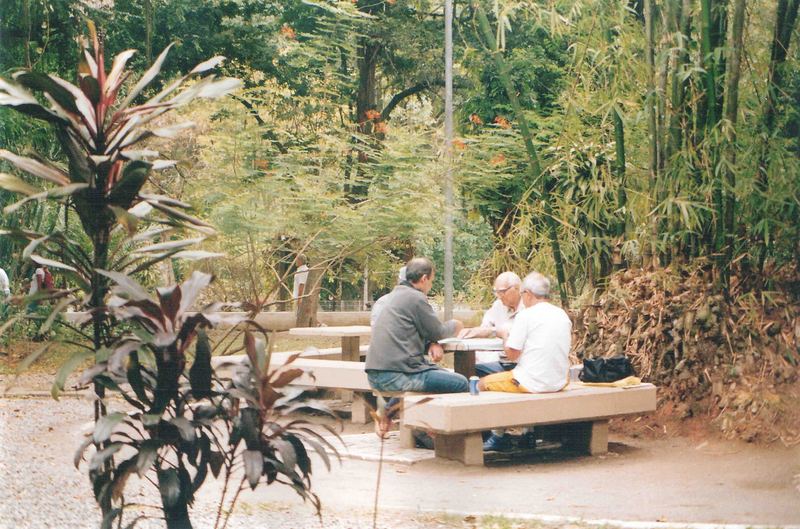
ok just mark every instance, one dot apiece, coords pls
pixel 457 419
pixel 320 372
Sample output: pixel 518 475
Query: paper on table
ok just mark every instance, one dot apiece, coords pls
pixel 476 344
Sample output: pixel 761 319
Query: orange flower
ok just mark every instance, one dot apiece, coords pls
pixel 380 127
pixel 261 164
pixel 288 32
pixel 503 122
pixel 458 144
pixel 498 159
pixel 372 114
pixel 476 119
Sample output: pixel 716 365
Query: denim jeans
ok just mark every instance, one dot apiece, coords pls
pixel 493 367
pixel 435 380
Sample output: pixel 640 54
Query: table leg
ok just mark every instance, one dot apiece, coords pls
pixel 351 352
pixel 464 363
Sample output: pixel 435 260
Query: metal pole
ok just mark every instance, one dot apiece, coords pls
pixel 448 159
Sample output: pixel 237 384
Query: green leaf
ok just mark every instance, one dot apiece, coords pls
pixel 36 168
pixel 15 185
pixel 66 369
pixel 185 428
pixel 148 76
pixel 133 178
pixel 51 263
pixel 127 285
pixel 200 372
pixel 148 454
pixel 81 449
pixel 169 245
pixel 253 466
pixel 100 457
pixel 170 486
pixel 45 83
pixel 105 426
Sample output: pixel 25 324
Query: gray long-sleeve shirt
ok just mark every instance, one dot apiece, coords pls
pixel 406 323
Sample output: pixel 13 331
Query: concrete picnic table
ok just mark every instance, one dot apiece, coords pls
pixel 351 351
pixel 464 351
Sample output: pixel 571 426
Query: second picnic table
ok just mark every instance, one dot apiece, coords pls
pixel 351 351
pixel 350 335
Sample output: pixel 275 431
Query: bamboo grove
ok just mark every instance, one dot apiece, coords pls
pixel 591 134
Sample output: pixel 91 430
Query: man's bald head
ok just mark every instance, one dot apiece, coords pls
pixel 507 289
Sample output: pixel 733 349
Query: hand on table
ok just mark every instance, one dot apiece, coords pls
pixel 436 352
pixel 474 332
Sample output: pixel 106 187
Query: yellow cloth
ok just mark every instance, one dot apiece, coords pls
pixel 502 382
pixel 627 382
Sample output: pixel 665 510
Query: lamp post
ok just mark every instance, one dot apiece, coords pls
pixel 448 159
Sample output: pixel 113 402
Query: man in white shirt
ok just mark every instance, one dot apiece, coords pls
pixel 5 285
pixel 497 322
pixel 539 341
pixel 300 277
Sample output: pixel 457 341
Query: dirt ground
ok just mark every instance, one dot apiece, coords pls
pixel 661 471
pixel 642 482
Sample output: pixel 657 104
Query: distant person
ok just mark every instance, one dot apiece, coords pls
pixel 5 285
pixel 377 307
pixel 539 341
pixel 39 282
pixel 300 277
pixel 5 292
pixel 407 329
pixel 497 323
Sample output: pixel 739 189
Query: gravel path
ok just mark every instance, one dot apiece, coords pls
pixel 42 489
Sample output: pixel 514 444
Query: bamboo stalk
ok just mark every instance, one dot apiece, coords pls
pixel 534 167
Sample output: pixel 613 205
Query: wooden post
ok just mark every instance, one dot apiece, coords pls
pixel 308 304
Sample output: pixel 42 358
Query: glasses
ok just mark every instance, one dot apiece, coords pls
pixel 501 291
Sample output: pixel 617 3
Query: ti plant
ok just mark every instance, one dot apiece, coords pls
pixel 102 125
pixel 185 422
pixel 102 136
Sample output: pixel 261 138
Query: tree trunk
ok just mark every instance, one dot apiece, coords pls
pixel 650 253
pixel 731 112
pixel 785 18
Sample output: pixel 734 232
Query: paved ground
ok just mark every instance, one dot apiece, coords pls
pixel 673 481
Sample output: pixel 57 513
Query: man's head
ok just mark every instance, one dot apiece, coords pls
pixel 300 260
pixel 420 272
pixel 535 288
pixel 507 289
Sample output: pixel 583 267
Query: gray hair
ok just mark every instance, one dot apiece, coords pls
pixel 509 279
pixel 418 267
pixel 537 284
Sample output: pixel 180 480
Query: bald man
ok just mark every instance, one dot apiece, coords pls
pixel 497 322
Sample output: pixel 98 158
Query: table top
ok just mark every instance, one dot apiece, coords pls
pixel 472 344
pixel 347 330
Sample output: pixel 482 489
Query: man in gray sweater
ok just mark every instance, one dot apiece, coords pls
pixel 405 330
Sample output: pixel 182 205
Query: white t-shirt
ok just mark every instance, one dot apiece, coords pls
pixel 39 273
pixel 300 278
pixel 543 333
pixel 5 289
pixel 497 317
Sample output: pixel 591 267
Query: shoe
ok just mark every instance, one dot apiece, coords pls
pixel 498 443
pixel 527 441
pixel 423 440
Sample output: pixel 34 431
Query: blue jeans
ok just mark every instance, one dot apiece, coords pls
pixel 488 368
pixel 435 380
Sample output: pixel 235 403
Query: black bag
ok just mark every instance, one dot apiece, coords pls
pixel 606 369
